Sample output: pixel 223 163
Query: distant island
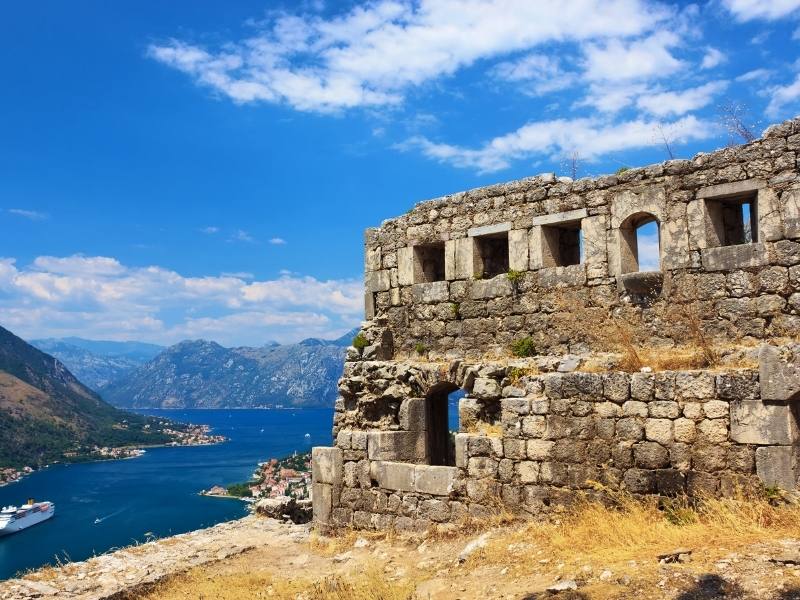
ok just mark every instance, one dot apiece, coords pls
pixel 48 417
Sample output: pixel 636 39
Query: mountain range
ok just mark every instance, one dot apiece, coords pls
pixel 47 414
pixel 204 374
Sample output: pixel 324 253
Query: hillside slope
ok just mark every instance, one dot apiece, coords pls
pixel 46 412
pixel 202 374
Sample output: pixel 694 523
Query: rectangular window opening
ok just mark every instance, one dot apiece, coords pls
pixel 493 254
pixel 734 219
pixel 563 244
pixel 428 263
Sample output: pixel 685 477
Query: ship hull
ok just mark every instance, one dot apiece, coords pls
pixel 27 521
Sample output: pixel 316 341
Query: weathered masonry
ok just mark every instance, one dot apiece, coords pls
pixel 452 285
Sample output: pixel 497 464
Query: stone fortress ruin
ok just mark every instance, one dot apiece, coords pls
pixel 577 367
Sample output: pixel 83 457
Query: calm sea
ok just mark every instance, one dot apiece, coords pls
pixel 156 494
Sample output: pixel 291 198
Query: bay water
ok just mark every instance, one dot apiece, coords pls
pixel 105 505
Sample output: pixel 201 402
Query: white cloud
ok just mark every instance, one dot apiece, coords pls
pixel 240 235
pixel 276 241
pixel 210 230
pixel 712 58
pixel 95 296
pixel 590 137
pixel 619 60
pixel 539 74
pixel 770 10
pixel 372 54
pixel 33 215
pixel 755 75
pixel 783 96
pixel 662 104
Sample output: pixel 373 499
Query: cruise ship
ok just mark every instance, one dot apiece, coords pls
pixel 13 519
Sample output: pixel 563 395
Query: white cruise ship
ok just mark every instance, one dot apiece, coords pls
pixel 13 519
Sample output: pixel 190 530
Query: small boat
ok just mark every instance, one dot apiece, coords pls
pixel 98 520
pixel 13 519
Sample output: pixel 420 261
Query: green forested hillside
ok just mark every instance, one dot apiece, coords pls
pixel 46 412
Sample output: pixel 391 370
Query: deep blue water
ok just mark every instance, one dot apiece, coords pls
pixel 156 494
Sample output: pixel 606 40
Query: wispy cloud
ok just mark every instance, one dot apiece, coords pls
pixel 210 230
pixel 784 98
pixel 240 235
pixel 101 297
pixel 592 137
pixel 33 215
pixel 371 55
pixel 769 10
pixel 276 241
pixel 712 58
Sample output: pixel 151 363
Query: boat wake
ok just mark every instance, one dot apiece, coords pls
pixel 99 520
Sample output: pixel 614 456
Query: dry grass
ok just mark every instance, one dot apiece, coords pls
pixel 198 585
pixel 639 530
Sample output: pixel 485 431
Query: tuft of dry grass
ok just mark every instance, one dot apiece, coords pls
pixel 482 428
pixel 633 529
pixel 371 585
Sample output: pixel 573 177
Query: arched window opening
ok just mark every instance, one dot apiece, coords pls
pixel 640 244
pixel 441 406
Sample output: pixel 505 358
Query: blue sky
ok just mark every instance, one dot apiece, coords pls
pixel 174 170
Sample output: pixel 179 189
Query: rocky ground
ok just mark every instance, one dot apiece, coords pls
pixel 247 558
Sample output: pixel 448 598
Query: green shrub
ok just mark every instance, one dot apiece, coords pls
pixel 420 348
pixel 360 342
pixel 523 347
pixel 621 170
pixel 456 307
pixel 514 277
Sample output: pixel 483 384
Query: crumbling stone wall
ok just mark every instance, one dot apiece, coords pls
pixel 744 289
pixel 454 282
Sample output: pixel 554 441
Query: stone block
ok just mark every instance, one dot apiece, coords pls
pixel 322 505
pixel 528 471
pixel 464 251
pixel 571 276
pixel 664 409
pixel 650 455
pixel 431 293
pixel 326 465
pixel 461 450
pixel 780 380
pixel 489 229
pixel 518 250
pixel 377 281
pixel 754 422
pixel 634 408
pixel 539 449
pixel 369 305
pixel 716 409
pixel 684 430
pixel 694 385
pixel 405 265
pixel 713 431
pixel 486 389
pixel 396 446
pixel 434 480
pixel 435 510
pixel 740 256
pixel 413 415
pixel 484 289
pixel 790 206
pixel 659 430
pixel 394 475
pixel 777 466
pixel 561 217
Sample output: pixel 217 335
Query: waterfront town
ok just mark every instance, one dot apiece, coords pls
pixel 275 478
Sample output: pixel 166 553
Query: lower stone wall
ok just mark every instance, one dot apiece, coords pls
pixel 531 441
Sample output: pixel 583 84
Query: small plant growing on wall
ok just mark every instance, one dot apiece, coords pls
pixel 523 347
pixel 515 277
pixel 621 170
pixel 477 276
pixel 420 348
pixel 455 307
pixel 360 342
